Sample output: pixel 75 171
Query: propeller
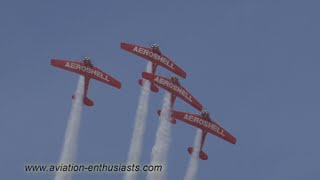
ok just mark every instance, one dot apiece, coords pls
pixel 205 113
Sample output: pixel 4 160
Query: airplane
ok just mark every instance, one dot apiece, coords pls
pixel 154 55
pixel 173 86
pixel 206 124
pixel 86 69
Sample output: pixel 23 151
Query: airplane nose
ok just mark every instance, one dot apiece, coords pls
pixel 87 58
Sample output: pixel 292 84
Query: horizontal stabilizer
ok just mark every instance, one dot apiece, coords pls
pixel 86 101
pixel 172 120
pixel 154 88
pixel 202 155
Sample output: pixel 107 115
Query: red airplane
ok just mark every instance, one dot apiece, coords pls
pixel 206 124
pixel 173 86
pixel 86 69
pixel 154 55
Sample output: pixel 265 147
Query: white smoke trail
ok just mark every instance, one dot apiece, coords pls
pixel 161 147
pixel 193 162
pixel 69 150
pixel 139 127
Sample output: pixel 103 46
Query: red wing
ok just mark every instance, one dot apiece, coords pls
pixel 161 60
pixel 90 72
pixel 105 78
pixel 204 124
pixel 175 89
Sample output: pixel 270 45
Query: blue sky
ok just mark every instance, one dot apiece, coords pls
pixel 253 64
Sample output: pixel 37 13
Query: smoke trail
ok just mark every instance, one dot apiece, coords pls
pixel 139 127
pixel 161 147
pixel 69 150
pixel 193 162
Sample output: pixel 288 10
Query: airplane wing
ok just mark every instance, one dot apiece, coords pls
pixel 161 60
pixel 204 124
pixel 175 89
pixel 90 72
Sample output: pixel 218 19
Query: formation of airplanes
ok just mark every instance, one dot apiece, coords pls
pixel 153 54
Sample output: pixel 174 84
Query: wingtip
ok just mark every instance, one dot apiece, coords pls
pixel 184 75
pixel 54 62
pixel 119 86
pixel 234 141
pixel 124 46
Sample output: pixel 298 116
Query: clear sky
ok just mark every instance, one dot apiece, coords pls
pixel 253 64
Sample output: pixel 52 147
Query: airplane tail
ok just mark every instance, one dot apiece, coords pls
pixel 202 155
pixel 86 101
pixel 154 88
pixel 172 120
